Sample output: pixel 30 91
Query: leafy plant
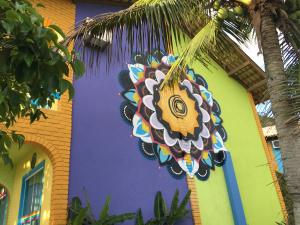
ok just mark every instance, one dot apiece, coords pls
pixel 79 215
pixel 34 66
pixel 163 215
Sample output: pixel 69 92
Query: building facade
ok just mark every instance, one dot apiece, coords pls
pixel 112 141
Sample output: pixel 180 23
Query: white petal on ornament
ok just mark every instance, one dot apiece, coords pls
pixel 185 145
pixel 187 84
pixel 199 143
pixel 169 141
pixel 205 132
pixel 155 123
pixel 138 130
pixel 199 99
pixel 159 75
pixel 165 60
pixel 205 115
pixel 219 146
pixel 148 102
pixel 150 83
pixel 189 168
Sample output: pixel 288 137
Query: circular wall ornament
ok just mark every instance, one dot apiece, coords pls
pixel 180 126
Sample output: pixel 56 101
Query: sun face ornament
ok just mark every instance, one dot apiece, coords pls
pixel 180 126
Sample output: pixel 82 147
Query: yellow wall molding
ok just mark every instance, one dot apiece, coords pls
pixel 194 201
pixel 269 158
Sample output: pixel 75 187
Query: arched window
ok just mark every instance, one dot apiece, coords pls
pixel 3 204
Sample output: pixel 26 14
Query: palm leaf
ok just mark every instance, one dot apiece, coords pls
pixel 184 202
pixel 146 24
pixel 160 207
pixel 139 220
pixel 104 211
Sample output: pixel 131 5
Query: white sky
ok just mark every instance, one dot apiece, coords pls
pixel 251 50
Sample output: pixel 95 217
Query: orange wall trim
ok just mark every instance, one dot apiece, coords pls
pixel 194 201
pixel 269 158
pixel 53 135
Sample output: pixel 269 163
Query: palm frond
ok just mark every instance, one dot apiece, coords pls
pixel 146 24
pixel 201 43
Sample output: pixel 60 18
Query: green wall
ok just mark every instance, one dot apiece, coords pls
pixel 259 197
pixel 258 193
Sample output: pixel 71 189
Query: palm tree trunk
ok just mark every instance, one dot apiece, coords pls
pixel 288 133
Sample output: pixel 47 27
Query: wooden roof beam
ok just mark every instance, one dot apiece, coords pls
pixel 232 72
pixel 260 83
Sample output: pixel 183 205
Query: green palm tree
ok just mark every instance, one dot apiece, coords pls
pixel 155 23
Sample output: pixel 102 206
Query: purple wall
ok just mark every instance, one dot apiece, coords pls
pixel 105 159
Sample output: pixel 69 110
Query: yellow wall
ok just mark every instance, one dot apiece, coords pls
pixel 53 135
pixel 21 168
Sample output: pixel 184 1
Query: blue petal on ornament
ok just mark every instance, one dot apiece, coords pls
pixel 208 161
pixel 136 72
pixel 56 95
pixel 191 74
pixel 131 96
pixel 35 102
pixel 218 142
pixel 206 95
pixel 218 120
pixel 140 129
pixel 163 154
pixel 153 62
pixel 171 59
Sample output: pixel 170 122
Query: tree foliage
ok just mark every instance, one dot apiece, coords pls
pixel 34 66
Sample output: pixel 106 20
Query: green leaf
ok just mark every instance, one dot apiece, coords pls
pixel 139 218
pixel 183 204
pixel 18 138
pixel 104 212
pixel 58 30
pixel 8 26
pixel 80 217
pixel 160 208
pixel 2 97
pixel 40 5
pixel 4 4
pixel 112 220
pixel 66 85
pixel 65 50
pixel 78 68
pixel 6 140
pixel 174 203
pixel 76 205
pixel 28 59
pixel 12 15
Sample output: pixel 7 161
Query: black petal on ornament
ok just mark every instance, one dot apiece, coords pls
pixel 222 132
pixel 158 135
pixel 201 81
pixel 124 80
pixel 142 90
pixel 127 111
pixel 219 158
pixel 203 172
pixel 139 58
pixel 145 112
pixel 176 151
pixel 195 153
pixel 147 149
pixel 176 171
pixel 216 108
